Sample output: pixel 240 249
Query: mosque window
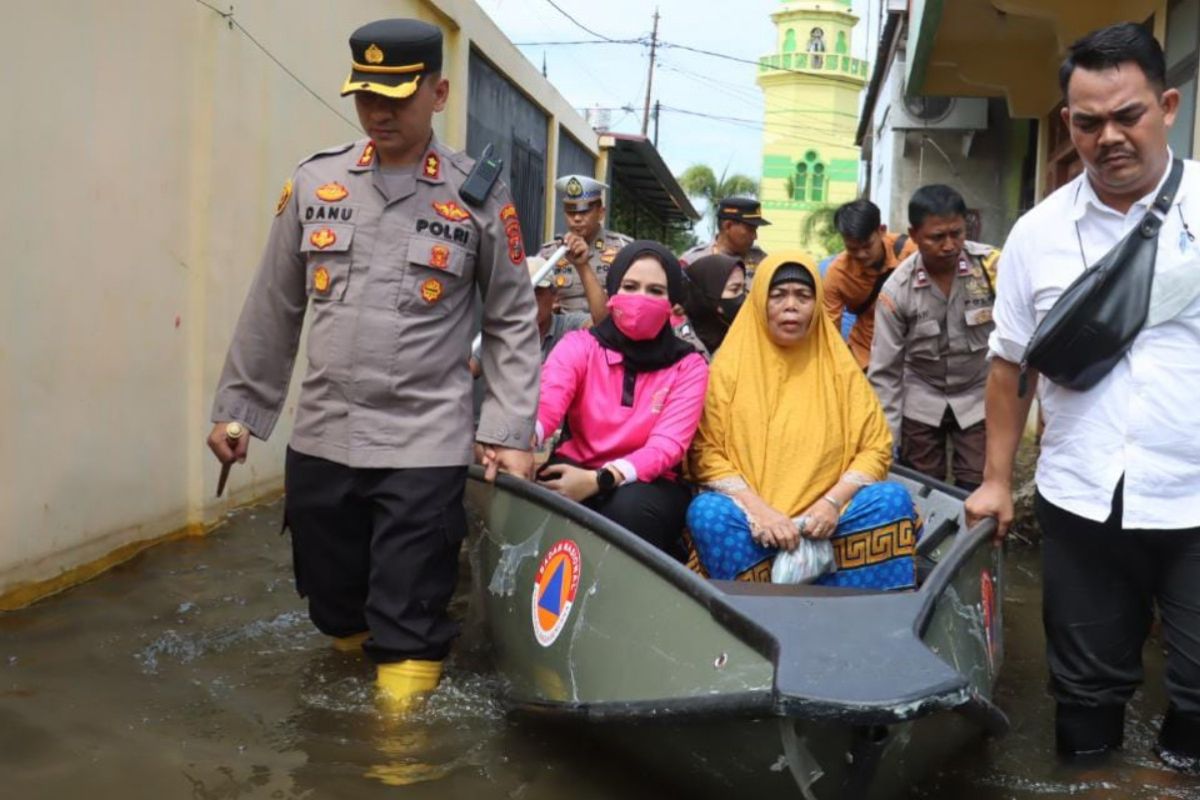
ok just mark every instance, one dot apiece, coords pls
pixel 818 184
pixel 800 185
pixel 816 46
pixel 789 41
pixel 810 183
pixel 841 46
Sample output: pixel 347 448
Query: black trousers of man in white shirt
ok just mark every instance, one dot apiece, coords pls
pixel 1101 586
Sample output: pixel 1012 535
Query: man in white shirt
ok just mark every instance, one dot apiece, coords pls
pixel 1118 475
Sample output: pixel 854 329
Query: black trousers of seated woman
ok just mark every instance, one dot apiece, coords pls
pixel 655 511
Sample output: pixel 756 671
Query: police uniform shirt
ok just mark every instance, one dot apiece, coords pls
pixel 604 249
pixel 391 273
pixel 929 351
pixel 751 259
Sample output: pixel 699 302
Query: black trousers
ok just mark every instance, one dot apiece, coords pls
pixel 377 550
pixel 654 511
pixel 1100 585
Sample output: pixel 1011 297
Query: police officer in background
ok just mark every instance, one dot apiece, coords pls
pixel 377 237
pixel 738 221
pixel 589 244
pixel 929 352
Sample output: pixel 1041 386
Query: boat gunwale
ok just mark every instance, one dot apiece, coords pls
pixel 956 696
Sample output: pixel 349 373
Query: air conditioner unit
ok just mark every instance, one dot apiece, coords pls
pixel 940 113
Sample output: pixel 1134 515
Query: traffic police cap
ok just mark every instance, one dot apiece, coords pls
pixel 741 209
pixel 390 56
pixel 579 191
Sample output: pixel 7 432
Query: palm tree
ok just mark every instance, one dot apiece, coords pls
pixel 701 182
pixel 818 233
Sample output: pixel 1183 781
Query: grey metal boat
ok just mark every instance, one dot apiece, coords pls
pixel 721 686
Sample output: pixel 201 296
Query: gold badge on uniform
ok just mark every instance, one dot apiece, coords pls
pixel 451 211
pixel 433 165
pixel 574 188
pixel 431 291
pixel 321 280
pixel 979 316
pixel 368 155
pixel 284 196
pixel 373 55
pixel 439 256
pixel 323 238
pixel 332 192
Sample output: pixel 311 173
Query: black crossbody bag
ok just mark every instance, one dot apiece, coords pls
pixel 1093 324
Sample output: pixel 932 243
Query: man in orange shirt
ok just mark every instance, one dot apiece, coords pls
pixel 855 277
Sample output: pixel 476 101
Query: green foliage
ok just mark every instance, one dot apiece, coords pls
pixel 625 218
pixel 818 233
pixel 699 181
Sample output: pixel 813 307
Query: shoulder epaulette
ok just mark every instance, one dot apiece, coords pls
pixel 329 151
pixel 460 160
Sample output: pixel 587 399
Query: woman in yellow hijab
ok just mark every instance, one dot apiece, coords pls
pixel 793 442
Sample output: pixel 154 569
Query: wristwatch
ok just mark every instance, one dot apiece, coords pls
pixel 605 480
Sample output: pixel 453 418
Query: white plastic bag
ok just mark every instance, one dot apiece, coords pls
pixel 809 561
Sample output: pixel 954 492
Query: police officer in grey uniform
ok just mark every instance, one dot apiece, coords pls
pixel 376 236
pixel 738 221
pixel 588 242
pixel 929 353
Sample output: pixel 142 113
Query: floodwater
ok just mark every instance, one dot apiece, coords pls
pixel 192 671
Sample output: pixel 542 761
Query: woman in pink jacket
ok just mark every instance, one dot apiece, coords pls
pixel 631 394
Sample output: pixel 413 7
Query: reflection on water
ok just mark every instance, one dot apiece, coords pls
pixel 192 671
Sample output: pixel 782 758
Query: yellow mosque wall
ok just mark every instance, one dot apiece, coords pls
pixel 811 86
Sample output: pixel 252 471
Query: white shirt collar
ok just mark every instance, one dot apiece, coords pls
pixel 1086 196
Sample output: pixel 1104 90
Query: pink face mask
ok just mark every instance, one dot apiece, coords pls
pixel 639 316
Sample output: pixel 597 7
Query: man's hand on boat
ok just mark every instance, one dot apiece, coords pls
pixel 503 459
pixel 992 499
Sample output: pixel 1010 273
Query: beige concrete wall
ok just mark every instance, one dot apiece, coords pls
pixel 145 144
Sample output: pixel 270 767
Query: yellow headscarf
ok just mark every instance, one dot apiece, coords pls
pixel 790 421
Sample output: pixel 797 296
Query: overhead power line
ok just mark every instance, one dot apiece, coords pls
pixel 579 24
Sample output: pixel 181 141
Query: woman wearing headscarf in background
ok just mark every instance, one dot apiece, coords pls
pixel 791 429
pixel 715 288
pixel 631 393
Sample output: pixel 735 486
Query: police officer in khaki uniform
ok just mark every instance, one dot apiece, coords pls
pixel 379 237
pixel 738 221
pixel 588 242
pixel 929 353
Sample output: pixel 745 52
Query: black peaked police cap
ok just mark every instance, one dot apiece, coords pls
pixel 389 56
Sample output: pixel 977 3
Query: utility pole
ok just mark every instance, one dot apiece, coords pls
pixel 657 110
pixel 650 77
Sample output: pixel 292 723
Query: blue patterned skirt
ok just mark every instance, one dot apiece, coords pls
pixel 874 544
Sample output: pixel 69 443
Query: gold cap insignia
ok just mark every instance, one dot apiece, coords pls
pixel 373 55
pixel 574 188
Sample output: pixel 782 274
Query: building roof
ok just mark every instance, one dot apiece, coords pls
pixel 987 48
pixel 636 166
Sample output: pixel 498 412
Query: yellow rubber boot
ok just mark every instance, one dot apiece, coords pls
pixel 403 685
pixel 350 644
